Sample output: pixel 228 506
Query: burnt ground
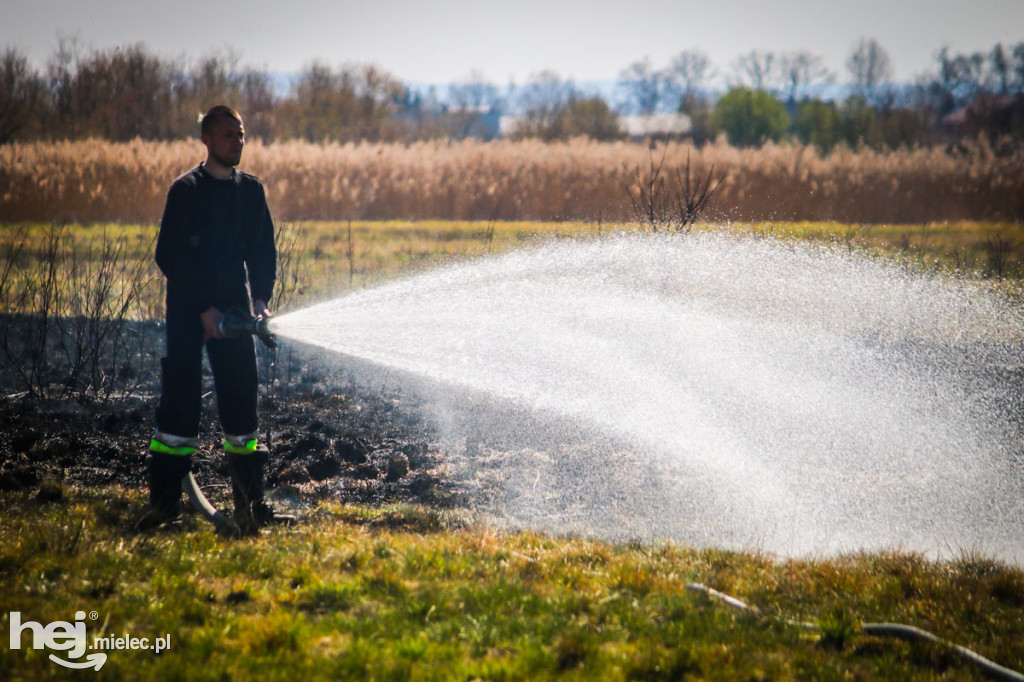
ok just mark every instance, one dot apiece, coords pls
pixel 328 440
pixel 357 434
pixel 337 429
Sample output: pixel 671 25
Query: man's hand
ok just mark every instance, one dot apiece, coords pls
pixel 260 309
pixel 211 318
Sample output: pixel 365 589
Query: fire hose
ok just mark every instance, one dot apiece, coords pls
pixel 236 322
pixel 898 630
pixel 221 521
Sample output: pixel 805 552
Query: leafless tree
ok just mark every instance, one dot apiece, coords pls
pixel 62 71
pixel 470 100
pixel 475 92
pixel 645 86
pixel 258 103
pixel 1000 71
pixel 547 88
pixel 215 76
pixel 687 76
pixel 543 97
pixel 1017 71
pixel 869 67
pixel 20 92
pixel 125 93
pixel 118 93
pixel 757 69
pixel 351 103
pixel 801 69
pixel 963 75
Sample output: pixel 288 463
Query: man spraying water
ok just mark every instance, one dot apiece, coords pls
pixel 216 249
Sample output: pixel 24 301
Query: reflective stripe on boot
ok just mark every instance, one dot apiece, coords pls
pixel 170 444
pixel 249 447
pixel 162 448
pixel 245 444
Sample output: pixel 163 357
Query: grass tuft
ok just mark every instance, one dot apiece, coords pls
pixel 839 628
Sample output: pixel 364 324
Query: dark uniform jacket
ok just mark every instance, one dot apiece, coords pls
pixel 214 236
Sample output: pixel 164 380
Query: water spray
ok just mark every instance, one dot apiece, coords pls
pixel 751 393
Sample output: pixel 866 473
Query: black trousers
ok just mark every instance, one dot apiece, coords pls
pixel 235 380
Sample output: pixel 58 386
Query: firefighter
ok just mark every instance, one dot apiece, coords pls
pixel 216 249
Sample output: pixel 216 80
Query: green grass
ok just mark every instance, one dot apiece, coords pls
pixel 319 260
pixel 413 593
pixel 382 250
pixel 389 247
pixel 989 250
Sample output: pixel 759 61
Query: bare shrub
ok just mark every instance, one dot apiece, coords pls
pixel 291 252
pixel 998 250
pixel 661 208
pixel 692 198
pixel 72 322
pixel 647 194
pixel 292 280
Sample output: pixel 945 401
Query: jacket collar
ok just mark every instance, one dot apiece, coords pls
pixel 201 169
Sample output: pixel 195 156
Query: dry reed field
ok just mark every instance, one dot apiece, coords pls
pixel 97 181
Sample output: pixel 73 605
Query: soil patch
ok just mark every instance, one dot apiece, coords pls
pixel 346 444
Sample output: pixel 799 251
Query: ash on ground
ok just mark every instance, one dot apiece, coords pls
pixel 330 439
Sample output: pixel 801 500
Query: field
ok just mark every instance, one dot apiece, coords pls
pixel 95 181
pixel 407 592
pixel 392 574
pixel 320 259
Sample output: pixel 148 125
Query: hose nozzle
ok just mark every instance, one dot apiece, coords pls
pixel 238 322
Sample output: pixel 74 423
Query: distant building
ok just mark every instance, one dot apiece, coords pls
pixel 996 115
pixel 636 127
pixel 656 126
pixel 507 125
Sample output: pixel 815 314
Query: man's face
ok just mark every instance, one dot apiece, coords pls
pixel 224 143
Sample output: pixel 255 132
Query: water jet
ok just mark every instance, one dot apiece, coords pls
pixel 713 389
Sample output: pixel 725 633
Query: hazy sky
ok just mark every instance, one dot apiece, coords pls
pixel 443 40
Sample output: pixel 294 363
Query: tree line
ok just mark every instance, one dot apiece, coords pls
pixel 130 92
pixel 774 96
